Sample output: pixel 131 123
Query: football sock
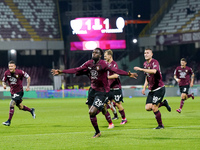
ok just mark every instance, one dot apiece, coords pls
pixel 161 104
pixel 189 95
pixel 108 106
pixel 158 117
pixel 116 115
pixel 94 123
pixel 26 109
pixel 112 107
pixel 182 103
pixel 108 118
pixel 11 113
pixel 97 112
pixel 122 114
pixel 114 104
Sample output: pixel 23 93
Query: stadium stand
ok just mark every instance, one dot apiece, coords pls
pixel 29 19
pixel 178 19
pixel 39 75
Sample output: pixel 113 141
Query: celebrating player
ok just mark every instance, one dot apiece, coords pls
pixel 182 75
pixel 14 77
pixel 115 85
pixel 97 94
pixel 156 86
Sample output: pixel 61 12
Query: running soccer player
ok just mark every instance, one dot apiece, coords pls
pixel 115 85
pixel 156 86
pixel 182 75
pixel 107 114
pixel 97 93
pixel 14 77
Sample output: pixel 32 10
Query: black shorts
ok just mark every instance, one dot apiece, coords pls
pixel 155 97
pixel 96 98
pixel 184 89
pixel 116 95
pixel 17 97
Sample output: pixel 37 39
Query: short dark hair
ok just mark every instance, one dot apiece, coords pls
pixel 109 52
pixel 149 49
pixel 101 51
pixel 11 62
pixel 183 59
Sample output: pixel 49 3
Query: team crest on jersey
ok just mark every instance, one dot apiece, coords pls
pixel 186 70
pixel 17 75
pixel 97 67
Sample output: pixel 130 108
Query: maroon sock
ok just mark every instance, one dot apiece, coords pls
pixel 116 115
pixel 189 95
pixel 108 118
pixel 93 120
pixel 97 112
pixel 107 106
pixel 26 109
pixel 161 104
pixel 114 104
pixel 158 117
pixel 182 103
pixel 11 113
pixel 122 114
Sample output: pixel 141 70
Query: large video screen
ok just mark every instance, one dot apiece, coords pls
pixel 89 33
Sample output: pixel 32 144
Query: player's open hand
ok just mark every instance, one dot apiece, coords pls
pixel 55 71
pixel 132 75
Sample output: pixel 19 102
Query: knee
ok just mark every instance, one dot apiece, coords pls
pixel 183 96
pixel 20 107
pixel 148 108
pixel 92 113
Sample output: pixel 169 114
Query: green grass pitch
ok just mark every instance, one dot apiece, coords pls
pixel 65 124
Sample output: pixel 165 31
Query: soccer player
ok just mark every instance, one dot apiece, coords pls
pixel 115 85
pixel 156 86
pixel 97 93
pixel 14 77
pixel 182 75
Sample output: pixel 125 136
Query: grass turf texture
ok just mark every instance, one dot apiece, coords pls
pixel 65 124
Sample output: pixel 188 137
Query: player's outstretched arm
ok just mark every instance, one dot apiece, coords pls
pixel 56 71
pixel 114 76
pixel 151 71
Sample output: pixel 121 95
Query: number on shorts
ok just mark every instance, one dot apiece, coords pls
pixel 98 103
pixel 117 97
pixel 15 95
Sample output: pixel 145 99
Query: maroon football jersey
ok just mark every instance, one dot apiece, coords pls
pixel 15 80
pixel 97 74
pixel 184 74
pixel 154 80
pixel 114 83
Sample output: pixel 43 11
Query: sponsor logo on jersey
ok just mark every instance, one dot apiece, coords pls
pixel 13 80
pixel 94 74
